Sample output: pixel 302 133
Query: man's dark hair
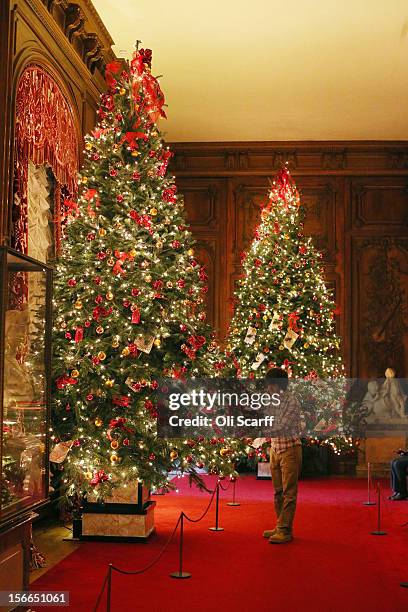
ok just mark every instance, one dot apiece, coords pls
pixel 278 377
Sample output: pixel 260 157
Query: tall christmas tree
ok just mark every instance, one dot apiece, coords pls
pixel 284 313
pixel 129 301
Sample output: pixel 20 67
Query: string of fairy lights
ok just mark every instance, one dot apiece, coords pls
pixel 130 298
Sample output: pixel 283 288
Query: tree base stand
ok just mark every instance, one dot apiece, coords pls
pixel 404 584
pixel 127 516
pixel 233 504
pixel 378 533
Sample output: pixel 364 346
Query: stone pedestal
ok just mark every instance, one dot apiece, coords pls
pixel 379 452
pixel 126 516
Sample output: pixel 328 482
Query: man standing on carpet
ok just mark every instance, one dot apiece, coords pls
pixel 286 457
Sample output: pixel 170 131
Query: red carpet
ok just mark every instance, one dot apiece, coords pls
pixel 333 565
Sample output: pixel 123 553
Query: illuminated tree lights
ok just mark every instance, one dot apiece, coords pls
pixel 129 301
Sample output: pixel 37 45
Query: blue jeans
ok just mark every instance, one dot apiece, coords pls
pixel 399 475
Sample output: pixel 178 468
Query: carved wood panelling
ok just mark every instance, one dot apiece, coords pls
pixel 202 202
pixel 205 201
pixel 380 305
pixel 206 251
pixel 379 203
pixel 341 158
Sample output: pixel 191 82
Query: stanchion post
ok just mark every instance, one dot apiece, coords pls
pixel 378 532
pixel 233 502
pixel 404 584
pixel 217 502
pixel 180 573
pixel 109 589
pixel 369 502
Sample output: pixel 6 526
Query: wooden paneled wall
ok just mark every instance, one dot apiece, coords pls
pixel 356 199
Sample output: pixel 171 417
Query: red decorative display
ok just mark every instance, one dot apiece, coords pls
pixel 45 134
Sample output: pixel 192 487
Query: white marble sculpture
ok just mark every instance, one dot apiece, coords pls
pixel 385 401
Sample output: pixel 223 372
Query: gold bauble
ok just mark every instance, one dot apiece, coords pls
pixel 84 179
pixel 115 343
pixel 114 444
pixel 159 244
pixel 89 475
pixel 115 147
pixel 281 347
pixel 135 153
pixel 98 422
pixel 126 351
pixel 109 383
pixel 157 342
pixel 101 356
pixel 133 252
pixel 148 278
pixel 224 452
pixel 78 304
pixel 99 329
pixel 110 261
pixel 153 212
pixel 190 252
pixel 109 295
pixel 114 458
pixel 173 455
pixel 169 285
pixel 306 345
pixel 74 373
pixel 122 91
pixel 88 146
pixel 102 231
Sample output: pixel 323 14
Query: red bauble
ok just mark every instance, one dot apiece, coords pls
pixel 72 282
pixel 135 292
pixel 120 198
pixel 176 244
pixel 113 172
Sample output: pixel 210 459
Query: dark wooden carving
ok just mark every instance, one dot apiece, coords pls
pixel 380 298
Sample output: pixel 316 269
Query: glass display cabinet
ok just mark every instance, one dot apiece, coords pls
pixel 25 368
